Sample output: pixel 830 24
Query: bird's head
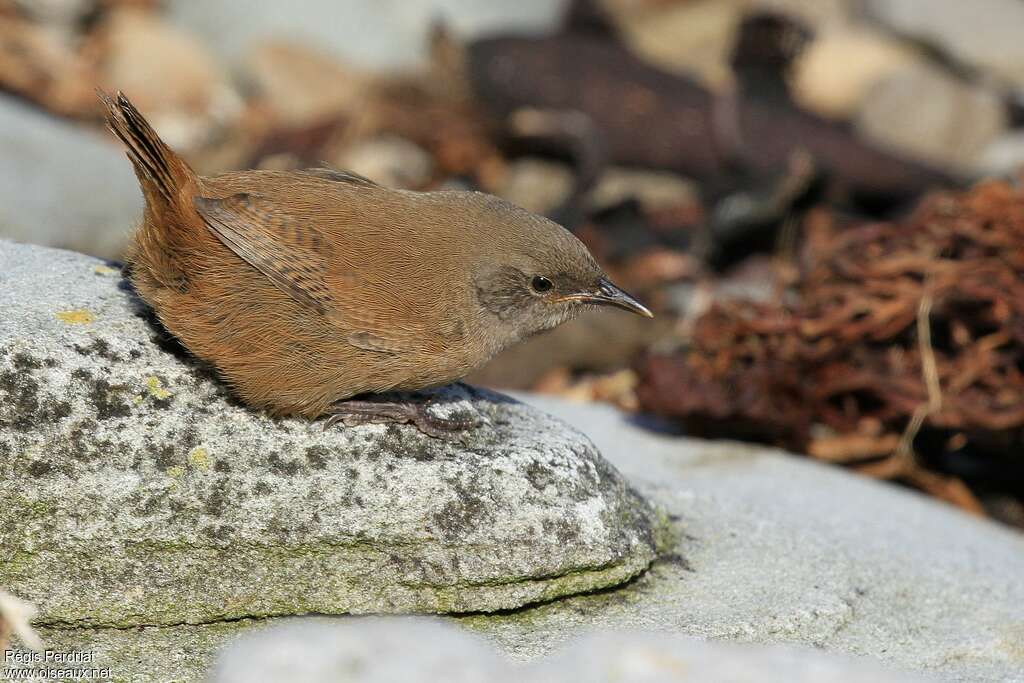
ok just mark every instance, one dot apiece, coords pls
pixel 532 274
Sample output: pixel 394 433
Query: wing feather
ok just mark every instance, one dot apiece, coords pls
pixel 296 258
pixel 272 243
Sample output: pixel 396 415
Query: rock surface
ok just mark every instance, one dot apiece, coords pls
pixel 415 649
pixel 984 34
pixel 1005 156
pixel 777 550
pixel 535 184
pixel 939 133
pixel 185 92
pixel 377 34
pixel 653 190
pixel 389 160
pixel 836 70
pixel 61 185
pixel 136 492
pixel 771 549
pixel 299 86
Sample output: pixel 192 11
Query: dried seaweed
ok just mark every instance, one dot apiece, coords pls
pixel 889 331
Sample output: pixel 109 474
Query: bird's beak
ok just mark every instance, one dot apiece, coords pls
pixel 608 294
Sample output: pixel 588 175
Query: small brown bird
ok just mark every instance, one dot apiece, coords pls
pixel 307 288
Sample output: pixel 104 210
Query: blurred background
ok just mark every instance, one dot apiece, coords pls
pixel 818 197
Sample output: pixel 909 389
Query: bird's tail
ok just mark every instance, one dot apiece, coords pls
pixel 162 173
pixel 157 255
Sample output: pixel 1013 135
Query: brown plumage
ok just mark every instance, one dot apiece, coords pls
pixel 304 288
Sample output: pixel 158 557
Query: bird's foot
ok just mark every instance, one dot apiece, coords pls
pixel 401 411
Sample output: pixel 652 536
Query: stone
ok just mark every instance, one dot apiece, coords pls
pixel 597 341
pixel 778 549
pixel 652 658
pixel 42 63
pixel 654 190
pixel 60 12
pixel 375 648
pixel 818 14
pixel 952 131
pixel 836 71
pixel 169 75
pixel 299 86
pixel 137 492
pixel 984 34
pixel 761 548
pixel 389 160
pixel 415 649
pixel 182 653
pixel 691 39
pixel 1003 156
pixel 535 184
pixel 770 549
pixel 62 185
pixel 695 38
pixel 367 34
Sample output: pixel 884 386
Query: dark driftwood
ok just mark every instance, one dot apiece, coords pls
pixel 651 118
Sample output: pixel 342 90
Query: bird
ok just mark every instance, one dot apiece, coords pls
pixel 320 293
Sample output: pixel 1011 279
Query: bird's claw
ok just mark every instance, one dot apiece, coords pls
pixel 356 412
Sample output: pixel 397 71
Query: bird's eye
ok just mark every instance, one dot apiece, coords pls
pixel 541 284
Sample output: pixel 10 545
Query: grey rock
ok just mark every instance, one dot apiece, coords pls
pixel 777 549
pixel 773 549
pixel 984 34
pixel 365 32
pixel 135 491
pixel 692 39
pixel 612 656
pixel 597 340
pixel 1005 155
pixel 366 649
pixel 414 649
pixel 654 190
pixel 59 11
pixel 62 185
pixel 535 184
pixel 959 121
pixel 299 86
pixel 768 548
pixel 182 653
pixel 389 160
pixel 837 69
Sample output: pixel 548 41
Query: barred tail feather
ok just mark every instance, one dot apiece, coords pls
pixel 160 170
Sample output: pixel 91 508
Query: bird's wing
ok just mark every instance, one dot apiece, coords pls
pixel 339 176
pixel 266 238
pixel 295 258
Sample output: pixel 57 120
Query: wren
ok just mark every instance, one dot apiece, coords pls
pixel 307 288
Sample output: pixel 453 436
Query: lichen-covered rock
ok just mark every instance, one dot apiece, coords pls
pixel 135 490
pixel 771 549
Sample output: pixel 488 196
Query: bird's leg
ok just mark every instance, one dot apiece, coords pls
pixel 402 411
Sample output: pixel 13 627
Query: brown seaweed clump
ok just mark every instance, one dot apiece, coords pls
pixel 894 337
